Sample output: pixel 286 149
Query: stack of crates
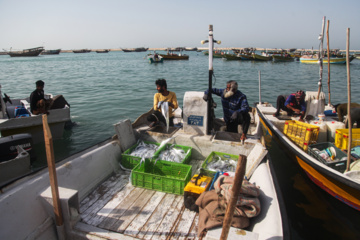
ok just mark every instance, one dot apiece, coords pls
pixel 302 134
pixel 342 138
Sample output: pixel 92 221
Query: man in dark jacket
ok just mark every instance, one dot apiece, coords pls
pixel 294 104
pixel 38 103
pixel 235 107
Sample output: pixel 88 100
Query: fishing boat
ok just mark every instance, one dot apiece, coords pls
pixel 314 59
pixel 231 57
pixel 141 49
pixel 51 52
pixel 82 51
pixel 155 58
pixel 31 52
pixel 190 49
pixel 317 145
pixel 99 201
pixel 103 51
pixel 16 118
pixel 282 58
pixel 258 57
pixel 171 55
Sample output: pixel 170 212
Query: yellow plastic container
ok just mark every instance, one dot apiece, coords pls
pixel 302 134
pixel 342 138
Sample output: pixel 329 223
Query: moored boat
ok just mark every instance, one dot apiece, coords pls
pixel 103 51
pixel 315 60
pixel 31 52
pixel 51 52
pixel 258 57
pixel 171 55
pixel 282 58
pixel 82 51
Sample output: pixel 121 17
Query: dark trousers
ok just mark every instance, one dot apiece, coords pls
pixel 280 104
pixel 243 119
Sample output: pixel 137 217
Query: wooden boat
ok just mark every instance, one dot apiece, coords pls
pixel 141 49
pixel 31 52
pixel 103 51
pixel 11 124
pixel 231 57
pixel 51 52
pixel 315 60
pixel 258 57
pixel 329 177
pixel 155 58
pixel 82 51
pixel 171 55
pixel 191 49
pixel 104 204
pixel 282 58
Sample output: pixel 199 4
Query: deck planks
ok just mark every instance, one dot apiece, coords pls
pixel 119 207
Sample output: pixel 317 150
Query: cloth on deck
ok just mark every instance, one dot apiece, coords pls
pixel 213 204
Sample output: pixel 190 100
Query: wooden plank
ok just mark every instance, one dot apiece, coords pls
pixel 138 223
pixel 170 220
pixel 184 225
pixel 97 193
pixel 123 222
pixel 147 231
pixel 120 209
pixel 106 194
pixel 111 205
pixel 194 229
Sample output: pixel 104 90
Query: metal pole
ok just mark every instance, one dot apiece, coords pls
pixel 260 87
pixel 209 102
pixel 328 57
pixel 349 100
pixel 321 56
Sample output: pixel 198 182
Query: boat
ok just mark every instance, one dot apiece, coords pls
pixel 16 118
pixel 141 49
pixel 51 52
pixel 155 58
pixel 191 49
pixel 313 59
pixel 31 52
pixel 3 53
pixel 231 57
pixel 103 51
pixel 282 58
pixel 82 51
pixel 262 57
pixel 171 55
pixel 98 201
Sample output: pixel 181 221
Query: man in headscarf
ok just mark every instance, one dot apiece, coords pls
pixel 235 107
pixel 163 95
pixel 294 104
pixel 38 103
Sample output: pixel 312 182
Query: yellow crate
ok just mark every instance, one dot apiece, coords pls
pixel 342 138
pixel 302 134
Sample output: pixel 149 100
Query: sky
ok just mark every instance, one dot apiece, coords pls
pixel 75 24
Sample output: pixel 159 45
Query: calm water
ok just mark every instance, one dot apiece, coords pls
pixel 106 88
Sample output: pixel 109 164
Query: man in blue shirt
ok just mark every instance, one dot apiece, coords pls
pixel 294 104
pixel 235 107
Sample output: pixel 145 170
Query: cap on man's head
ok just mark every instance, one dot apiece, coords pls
pixel 40 83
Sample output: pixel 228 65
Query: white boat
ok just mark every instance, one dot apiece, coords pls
pixel 98 202
pixel 11 124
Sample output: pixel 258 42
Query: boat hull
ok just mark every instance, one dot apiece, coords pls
pixel 325 61
pixel 331 181
pixel 174 57
pixel 282 59
pixel 258 57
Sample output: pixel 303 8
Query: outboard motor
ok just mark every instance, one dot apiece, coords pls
pixel 8 145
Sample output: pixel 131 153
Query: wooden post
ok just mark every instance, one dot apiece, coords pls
pixel 321 56
pixel 349 99
pixel 260 87
pixel 239 176
pixel 328 53
pixel 52 172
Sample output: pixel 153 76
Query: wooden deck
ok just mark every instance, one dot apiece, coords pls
pixel 119 207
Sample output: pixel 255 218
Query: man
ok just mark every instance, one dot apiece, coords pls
pixel 38 103
pixel 235 107
pixel 341 109
pixel 293 105
pixel 163 95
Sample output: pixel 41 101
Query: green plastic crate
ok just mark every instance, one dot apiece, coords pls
pixel 209 159
pixel 186 149
pixel 339 163
pixel 165 176
pixel 129 161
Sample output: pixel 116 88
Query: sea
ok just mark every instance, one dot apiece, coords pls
pixel 105 88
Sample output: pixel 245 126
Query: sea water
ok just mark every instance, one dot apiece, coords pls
pixel 104 89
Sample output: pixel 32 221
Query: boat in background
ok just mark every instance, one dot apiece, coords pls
pixel 103 51
pixel 262 57
pixel 190 49
pixel 51 52
pixel 313 59
pixel 282 58
pixel 171 55
pixel 141 49
pixel 31 52
pixel 155 58
pixel 82 51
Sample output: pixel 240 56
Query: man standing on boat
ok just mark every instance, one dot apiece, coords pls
pixel 38 103
pixel 235 107
pixel 163 95
pixel 294 104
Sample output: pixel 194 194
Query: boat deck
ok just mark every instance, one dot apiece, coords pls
pixel 119 207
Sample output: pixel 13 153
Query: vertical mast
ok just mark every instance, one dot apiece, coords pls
pixel 210 101
pixel 321 55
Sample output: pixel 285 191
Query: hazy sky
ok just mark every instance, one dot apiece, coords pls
pixel 72 24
